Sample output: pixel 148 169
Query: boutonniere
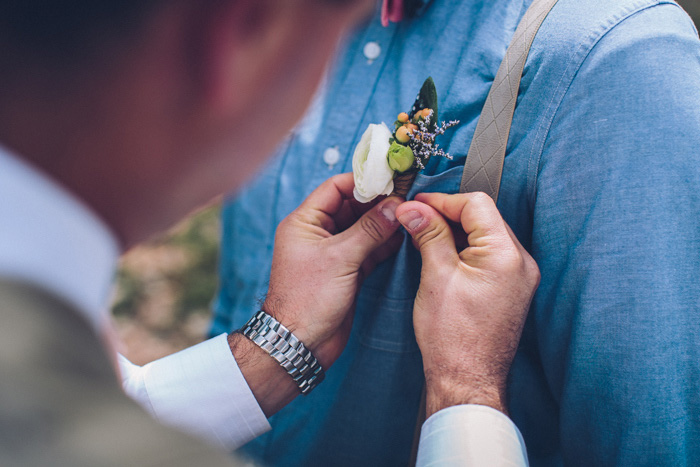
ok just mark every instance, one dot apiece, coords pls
pixel 387 162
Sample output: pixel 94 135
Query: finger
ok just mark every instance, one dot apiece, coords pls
pixel 453 207
pixel 324 204
pixel 461 241
pixel 371 230
pixel 329 196
pixel 351 211
pixel 450 206
pixel 430 231
pixel 333 206
pixel 345 216
pixel 382 253
pixel 476 212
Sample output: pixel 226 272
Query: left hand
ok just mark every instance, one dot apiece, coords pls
pixel 323 250
pixel 476 285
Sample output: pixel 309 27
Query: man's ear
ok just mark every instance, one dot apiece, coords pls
pixel 249 47
pixel 239 44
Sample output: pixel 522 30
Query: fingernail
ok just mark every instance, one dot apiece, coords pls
pixel 388 210
pixel 412 220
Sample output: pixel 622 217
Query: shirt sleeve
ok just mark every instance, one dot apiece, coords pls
pixel 199 390
pixel 617 237
pixel 470 435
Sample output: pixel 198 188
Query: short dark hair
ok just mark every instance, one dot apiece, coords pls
pixel 66 30
pixel 55 35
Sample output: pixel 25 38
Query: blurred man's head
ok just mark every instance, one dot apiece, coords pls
pixel 146 108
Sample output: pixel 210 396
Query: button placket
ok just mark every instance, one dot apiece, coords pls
pixel 344 120
pixel 331 156
pixel 372 50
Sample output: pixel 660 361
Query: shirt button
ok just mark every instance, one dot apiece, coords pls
pixel 372 51
pixel 331 156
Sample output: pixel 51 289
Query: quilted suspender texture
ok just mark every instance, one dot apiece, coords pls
pixel 484 165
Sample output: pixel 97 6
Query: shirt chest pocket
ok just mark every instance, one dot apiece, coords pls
pixel 384 310
pixel 445 182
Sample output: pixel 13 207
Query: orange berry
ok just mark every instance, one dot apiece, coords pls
pixel 411 127
pixel 425 113
pixel 403 135
pixel 403 117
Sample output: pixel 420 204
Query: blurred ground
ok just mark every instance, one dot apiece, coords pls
pixel 165 288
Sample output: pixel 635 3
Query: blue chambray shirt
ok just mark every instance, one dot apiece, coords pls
pixel 601 184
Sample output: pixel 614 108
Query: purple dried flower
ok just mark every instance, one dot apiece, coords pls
pixel 423 141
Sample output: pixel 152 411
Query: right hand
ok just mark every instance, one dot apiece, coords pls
pixel 323 250
pixel 472 302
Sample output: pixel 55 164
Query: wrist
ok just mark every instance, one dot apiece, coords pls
pixel 309 335
pixel 286 349
pixel 269 382
pixel 442 393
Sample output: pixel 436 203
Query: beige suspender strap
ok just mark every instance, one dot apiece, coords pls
pixel 484 165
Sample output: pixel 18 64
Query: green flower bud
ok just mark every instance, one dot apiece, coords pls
pixel 400 157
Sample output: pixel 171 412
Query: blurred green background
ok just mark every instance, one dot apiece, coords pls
pixel 165 288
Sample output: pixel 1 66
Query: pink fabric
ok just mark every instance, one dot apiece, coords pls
pixel 392 10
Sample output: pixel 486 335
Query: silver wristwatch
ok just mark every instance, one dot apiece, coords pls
pixel 275 339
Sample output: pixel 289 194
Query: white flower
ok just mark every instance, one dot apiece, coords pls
pixel 370 167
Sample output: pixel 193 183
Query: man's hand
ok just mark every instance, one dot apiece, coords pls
pixel 476 286
pixel 322 252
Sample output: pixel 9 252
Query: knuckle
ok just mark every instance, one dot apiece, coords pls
pixel 283 225
pixel 372 227
pixel 429 235
pixel 512 258
pixel 332 256
pixel 480 198
pixel 533 271
pixel 512 263
pixel 334 180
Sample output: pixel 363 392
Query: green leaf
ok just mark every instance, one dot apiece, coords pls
pixel 427 99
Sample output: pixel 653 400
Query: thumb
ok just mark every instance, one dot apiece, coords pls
pixel 430 231
pixel 370 231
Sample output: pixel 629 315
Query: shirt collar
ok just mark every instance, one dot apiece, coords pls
pixel 415 8
pixel 394 11
pixel 50 239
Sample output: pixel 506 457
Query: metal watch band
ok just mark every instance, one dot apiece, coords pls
pixel 275 339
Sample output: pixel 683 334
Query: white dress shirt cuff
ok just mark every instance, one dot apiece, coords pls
pixel 470 435
pixel 199 390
